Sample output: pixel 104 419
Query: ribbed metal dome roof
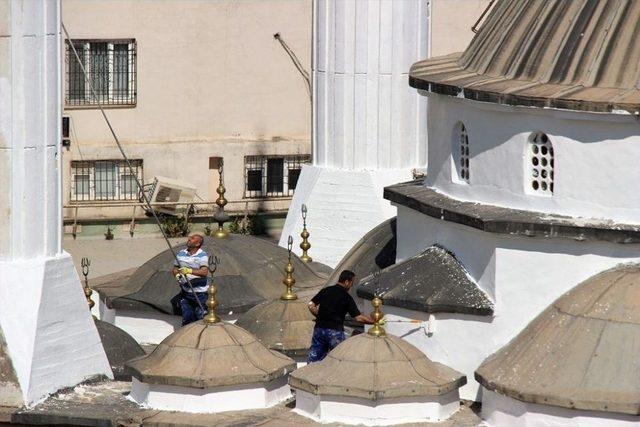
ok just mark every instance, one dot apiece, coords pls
pixel 579 54
pixel 580 353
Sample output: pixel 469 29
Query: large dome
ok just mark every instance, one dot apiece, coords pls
pixel 578 54
pixel 580 353
pixel 250 272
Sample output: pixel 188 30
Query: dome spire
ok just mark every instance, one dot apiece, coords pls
pixel 288 280
pixel 211 317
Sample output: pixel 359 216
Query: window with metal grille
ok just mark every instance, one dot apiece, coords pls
pixel 540 165
pixel 104 180
pixel 110 67
pixel 272 176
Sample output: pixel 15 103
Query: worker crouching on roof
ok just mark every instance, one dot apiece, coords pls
pixel 330 306
pixel 193 264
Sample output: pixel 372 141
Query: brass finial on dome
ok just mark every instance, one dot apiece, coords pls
pixel 305 245
pixel 288 280
pixel 376 330
pixel 85 263
pixel 211 317
pixel 220 216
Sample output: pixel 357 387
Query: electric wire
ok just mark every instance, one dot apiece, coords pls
pixel 126 159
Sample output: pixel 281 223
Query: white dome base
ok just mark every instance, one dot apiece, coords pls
pixel 350 410
pixel 210 400
pixel 499 410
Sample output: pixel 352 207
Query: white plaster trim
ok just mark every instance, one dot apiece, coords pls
pixel 50 334
pixel 499 410
pixel 210 400
pixel 343 206
pixel 350 410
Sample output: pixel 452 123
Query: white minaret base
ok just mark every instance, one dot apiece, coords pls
pixel 210 400
pixel 350 410
pixel 502 411
pixel 343 205
pixel 50 334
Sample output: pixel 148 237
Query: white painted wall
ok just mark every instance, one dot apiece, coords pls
pixel 521 275
pixel 51 337
pixel 356 411
pixel 499 410
pixel 210 400
pixel 595 158
pixel 369 126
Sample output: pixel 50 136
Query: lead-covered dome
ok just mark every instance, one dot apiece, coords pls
pixel 249 272
pixel 579 54
pixel 580 353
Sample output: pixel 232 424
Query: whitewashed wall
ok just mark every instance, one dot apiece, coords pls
pixel 502 411
pixel 369 126
pixel 521 275
pixel 596 158
pixel 51 337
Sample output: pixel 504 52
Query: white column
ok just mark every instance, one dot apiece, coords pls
pixel 50 335
pixel 369 126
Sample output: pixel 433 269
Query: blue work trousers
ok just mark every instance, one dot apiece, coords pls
pixel 191 311
pixel 323 341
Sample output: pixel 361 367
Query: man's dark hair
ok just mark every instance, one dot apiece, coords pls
pixel 346 275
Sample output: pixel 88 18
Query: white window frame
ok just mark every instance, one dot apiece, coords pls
pixel 121 170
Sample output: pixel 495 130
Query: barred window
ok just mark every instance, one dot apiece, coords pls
pixel 460 151
pixel 110 67
pixel 272 176
pixel 104 180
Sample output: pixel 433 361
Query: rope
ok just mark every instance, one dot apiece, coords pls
pixel 127 161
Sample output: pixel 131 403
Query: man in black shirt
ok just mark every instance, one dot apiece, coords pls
pixel 330 306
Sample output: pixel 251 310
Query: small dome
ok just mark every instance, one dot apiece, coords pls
pixel 580 353
pixel 204 355
pixel 120 347
pixel 250 272
pixel 285 326
pixel 376 368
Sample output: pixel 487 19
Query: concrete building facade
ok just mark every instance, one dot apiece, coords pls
pixel 185 84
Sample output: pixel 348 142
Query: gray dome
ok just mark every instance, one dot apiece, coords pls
pixel 578 54
pixel 119 346
pixel 285 326
pixel 202 355
pixel 580 353
pixel 250 272
pixel 375 368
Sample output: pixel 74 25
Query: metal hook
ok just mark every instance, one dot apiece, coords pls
pixel 213 263
pixel 304 212
pixel 85 263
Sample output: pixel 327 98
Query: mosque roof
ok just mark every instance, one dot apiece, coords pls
pixel 433 281
pixel 120 347
pixel 285 326
pixel 579 353
pixel 202 355
pixel 374 251
pixel 250 272
pixel 375 368
pixel 578 55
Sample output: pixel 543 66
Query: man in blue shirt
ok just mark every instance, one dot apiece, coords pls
pixel 192 263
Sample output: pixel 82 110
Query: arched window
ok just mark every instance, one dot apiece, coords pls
pixel 540 164
pixel 460 151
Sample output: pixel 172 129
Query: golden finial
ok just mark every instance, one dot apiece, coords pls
pixel 305 245
pixel 376 330
pixel 288 280
pixel 211 317
pixel 85 263
pixel 220 216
